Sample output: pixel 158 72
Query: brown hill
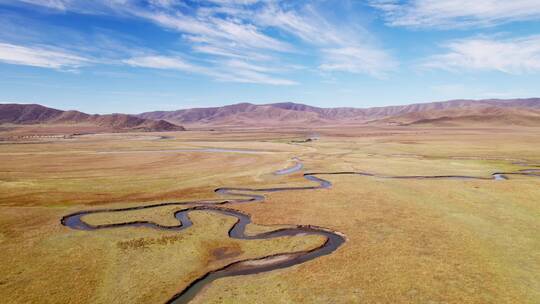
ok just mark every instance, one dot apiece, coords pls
pixel 449 113
pixel 298 114
pixel 237 114
pixel 26 114
pixel 33 114
pixel 472 116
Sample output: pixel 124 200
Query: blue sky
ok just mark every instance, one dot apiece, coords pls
pixel 129 56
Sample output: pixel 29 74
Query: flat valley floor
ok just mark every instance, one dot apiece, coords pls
pixel 423 218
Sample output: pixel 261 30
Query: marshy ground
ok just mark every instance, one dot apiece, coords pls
pixel 408 240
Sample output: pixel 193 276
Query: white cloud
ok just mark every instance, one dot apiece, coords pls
pixel 456 13
pixel 54 4
pixel 209 30
pixel 261 31
pixel 308 24
pixel 359 60
pixel 160 62
pixel 40 57
pixel 514 56
pixel 240 35
pixel 165 3
pixel 230 52
pixel 243 65
pixel 242 71
pixel 230 70
pixel 341 48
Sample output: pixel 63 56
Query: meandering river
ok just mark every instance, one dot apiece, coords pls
pixel 333 239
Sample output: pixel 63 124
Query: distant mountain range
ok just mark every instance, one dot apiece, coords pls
pixel 492 112
pixel 33 114
pixel 514 111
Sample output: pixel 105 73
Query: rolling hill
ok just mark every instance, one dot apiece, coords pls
pixel 37 119
pixel 246 114
pixel 468 116
pixel 47 118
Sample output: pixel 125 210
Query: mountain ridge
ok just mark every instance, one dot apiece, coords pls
pixel 465 112
pixel 296 113
pixel 35 114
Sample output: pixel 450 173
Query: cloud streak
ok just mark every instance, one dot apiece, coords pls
pixel 258 32
pixel 228 71
pixel 160 62
pixel 359 60
pixel 53 4
pixel 39 56
pixel 512 56
pixel 456 13
pixel 341 48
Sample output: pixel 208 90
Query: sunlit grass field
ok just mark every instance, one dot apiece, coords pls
pixel 408 241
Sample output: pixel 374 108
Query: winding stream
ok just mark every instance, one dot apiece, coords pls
pixel 295 168
pixel 251 195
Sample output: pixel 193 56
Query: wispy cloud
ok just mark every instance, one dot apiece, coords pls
pixel 231 52
pixel 306 24
pixel 160 62
pixel 456 13
pixel 256 32
pixel 359 60
pixel 213 31
pixel 165 3
pixel 514 56
pixel 98 47
pixel 243 71
pixel 54 4
pixel 341 48
pixel 40 56
pixel 230 70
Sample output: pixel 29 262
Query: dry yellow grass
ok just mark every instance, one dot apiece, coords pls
pixel 408 241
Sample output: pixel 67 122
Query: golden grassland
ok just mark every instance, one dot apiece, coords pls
pixel 408 241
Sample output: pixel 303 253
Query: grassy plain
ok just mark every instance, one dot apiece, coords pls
pixel 408 241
